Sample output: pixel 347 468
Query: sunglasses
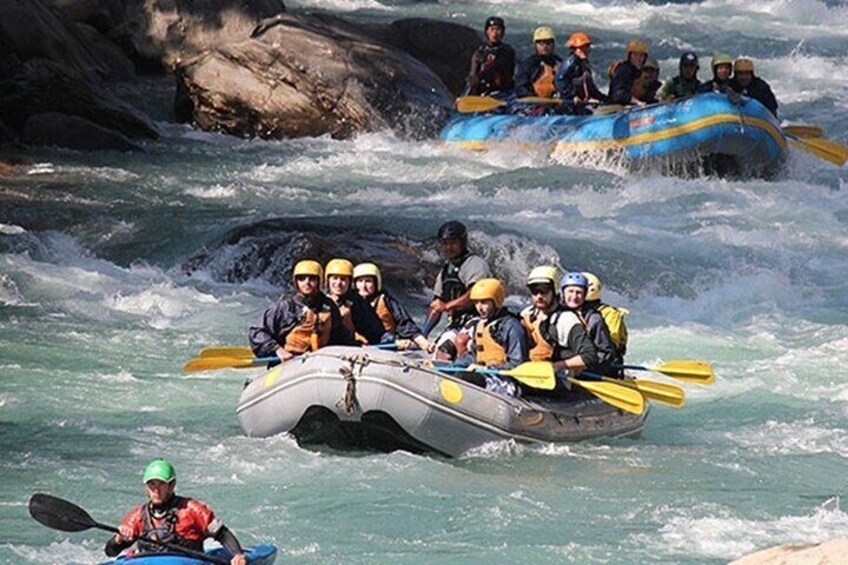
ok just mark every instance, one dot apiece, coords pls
pixel 301 278
pixel 546 41
pixel 540 289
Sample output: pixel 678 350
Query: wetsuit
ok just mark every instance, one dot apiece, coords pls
pixel 760 91
pixel 574 80
pixel 621 83
pixel 492 69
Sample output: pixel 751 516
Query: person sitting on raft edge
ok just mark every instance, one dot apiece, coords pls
pixel 171 519
pixel 306 321
pixel 357 315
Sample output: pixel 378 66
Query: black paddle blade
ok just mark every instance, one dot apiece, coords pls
pixel 59 514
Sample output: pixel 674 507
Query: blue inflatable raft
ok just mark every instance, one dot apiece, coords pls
pixel 706 133
pixel 262 554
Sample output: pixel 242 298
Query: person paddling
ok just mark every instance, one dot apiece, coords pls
pixel 575 287
pixel 170 518
pixel 574 81
pixel 357 316
pixel 306 321
pixel 624 74
pixel 745 82
pixel 684 84
pixel 394 317
pixel 493 63
pixel 536 74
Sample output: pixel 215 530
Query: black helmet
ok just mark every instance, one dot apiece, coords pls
pixel 494 21
pixel 452 230
pixel 689 58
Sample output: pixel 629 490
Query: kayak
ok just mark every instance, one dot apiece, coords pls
pixel 707 131
pixel 262 554
pixel 350 398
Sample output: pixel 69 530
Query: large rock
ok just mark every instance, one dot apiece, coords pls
pixel 310 75
pixel 831 552
pixel 445 47
pixel 157 34
pixel 53 128
pixel 42 86
pixel 36 29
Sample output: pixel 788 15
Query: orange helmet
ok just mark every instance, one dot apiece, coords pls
pixel 579 39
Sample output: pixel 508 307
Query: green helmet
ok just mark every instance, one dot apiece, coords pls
pixel 160 469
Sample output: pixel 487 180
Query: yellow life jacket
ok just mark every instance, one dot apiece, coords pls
pixel 384 313
pixel 540 349
pixel 614 319
pixel 488 352
pixel 312 332
pixel 544 86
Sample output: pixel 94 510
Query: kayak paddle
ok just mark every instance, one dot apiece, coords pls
pixel 663 393
pixel 66 516
pixel 699 372
pixel 214 363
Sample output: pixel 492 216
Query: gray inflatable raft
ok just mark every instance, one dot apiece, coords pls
pixel 349 397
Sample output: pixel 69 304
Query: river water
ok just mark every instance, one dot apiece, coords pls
pixel 97 315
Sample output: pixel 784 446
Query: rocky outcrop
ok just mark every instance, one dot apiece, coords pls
pixel 445 47
pixel 827 553
pixel 310 75
pixel 53 128
pixel 42 86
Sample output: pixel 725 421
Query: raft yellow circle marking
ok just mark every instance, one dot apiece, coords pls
pixel 451 391
pixel 271 377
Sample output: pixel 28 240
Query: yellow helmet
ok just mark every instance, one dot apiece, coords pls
pixel 637 46
pixel 489 289
pixel 308 267
pixel 721 59
pixel 542 275
pixel 743 64
pixel 368 270
pixel 339 267
pixel 593 291
pixel 543 33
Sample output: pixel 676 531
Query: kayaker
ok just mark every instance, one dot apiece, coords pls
pixel 493 63
pixel 357 315
pixel 574 81
pixel 745 82
pixel 170 518
pixel 536 74
pixel 574 288
pixel 645 87
pixel 394 317
pixel 684 84
pixel 722 65
pixel 453 285
pixel 624 73
pixel 542 282
pixel 306 321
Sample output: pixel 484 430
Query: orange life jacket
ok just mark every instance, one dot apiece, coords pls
pixel 347 319
pixel 488 352
pixel 384 313
pixel 540 349
pixel 544 86
pixel 312 332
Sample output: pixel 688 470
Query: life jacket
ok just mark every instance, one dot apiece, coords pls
pixel 550 333
pixel 346 312
pixel 384 313
pixel 312 331
pixel 488 352
pixel 532 320
pixel 681 87
pixel 452 286
pixel 545 85
pixel 614 319
pixel 166 530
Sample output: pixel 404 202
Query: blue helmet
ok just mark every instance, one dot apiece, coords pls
pixel 574 279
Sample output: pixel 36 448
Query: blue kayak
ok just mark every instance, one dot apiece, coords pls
pixel 745 137
pixel 262 554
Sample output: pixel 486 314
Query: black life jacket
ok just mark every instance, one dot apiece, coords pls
pixel 167 530
pixel 453 288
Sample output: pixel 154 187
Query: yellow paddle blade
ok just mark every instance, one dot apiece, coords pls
pixel 800 130
pixel 822 148
pixel 213 363
pixel 467 104
pixel 538 374
pixel 670 395
pixel 699 372
pixel 627 399
pixel 228 351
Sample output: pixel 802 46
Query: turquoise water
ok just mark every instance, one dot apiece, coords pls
pixel 97 315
